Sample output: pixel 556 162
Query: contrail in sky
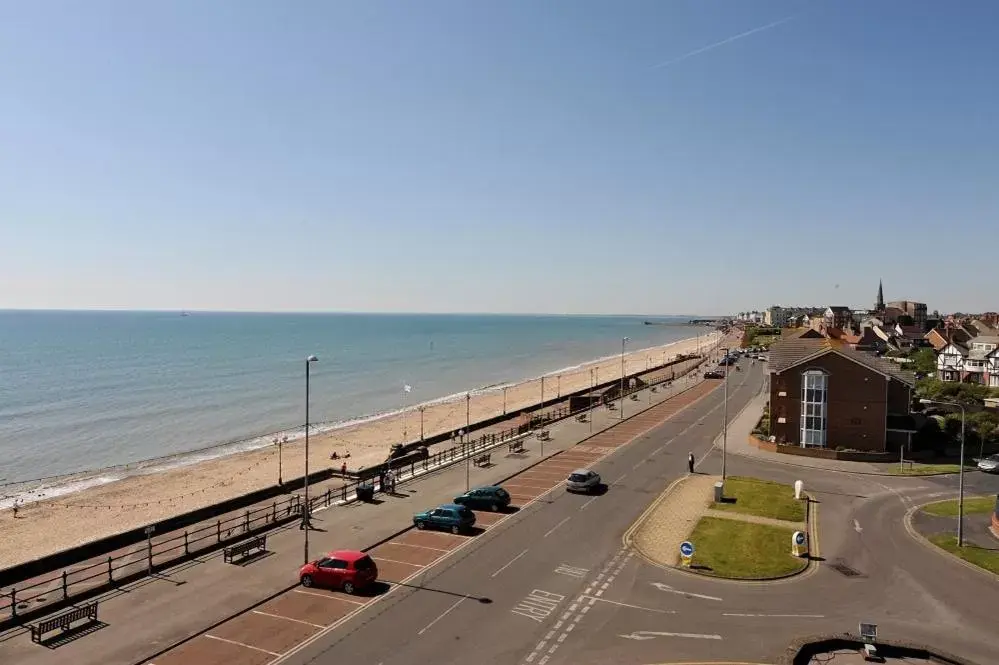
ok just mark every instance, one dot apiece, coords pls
pixel 711 47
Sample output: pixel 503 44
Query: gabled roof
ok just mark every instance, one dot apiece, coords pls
pixel 985 339
pixel 960 348
pixel 788 353
pixel 982 327
pixel 839 309
pixel 912 332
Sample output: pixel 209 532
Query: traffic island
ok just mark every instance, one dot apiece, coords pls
pixel 741 550
pixel 937 523
pixel 761 498
pixel 916 469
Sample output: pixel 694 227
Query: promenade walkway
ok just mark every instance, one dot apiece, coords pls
pixel 148 615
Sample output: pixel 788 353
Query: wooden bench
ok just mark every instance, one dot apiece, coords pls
pixel 634 397
pixel 516 446
pixel 64 621
pixel 483 460
pixel 242 549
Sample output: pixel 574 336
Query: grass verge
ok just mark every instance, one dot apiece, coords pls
pixel 979 556
pixel 761 498
pixel 972 506
pixel 743 550
pixel 923 469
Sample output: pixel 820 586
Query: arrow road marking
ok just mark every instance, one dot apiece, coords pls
pixel 651 635
pixel 668 589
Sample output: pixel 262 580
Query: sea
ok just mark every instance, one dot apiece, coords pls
pixel 90 397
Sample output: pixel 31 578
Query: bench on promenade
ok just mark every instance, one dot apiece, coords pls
pixel 634 397
pixel 64 621
pixel 484 459
pixel 240 550
pixel 516 446
pixel 581 418
pixel 544 435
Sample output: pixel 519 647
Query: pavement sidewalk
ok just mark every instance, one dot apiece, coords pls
pixel 148 615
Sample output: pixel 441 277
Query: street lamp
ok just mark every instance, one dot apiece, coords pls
pixel 306 524
pixel 468 428
pixel 960 482
pixel 725 417
pixel 277 442
pixel 421 423
pixel 624 341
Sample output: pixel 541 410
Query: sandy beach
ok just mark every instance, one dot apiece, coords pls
pixel 52 525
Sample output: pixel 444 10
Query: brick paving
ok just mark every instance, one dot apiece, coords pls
pixel 674 515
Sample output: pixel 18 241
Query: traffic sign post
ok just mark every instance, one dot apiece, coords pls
pixel 799 543
pixel 686 552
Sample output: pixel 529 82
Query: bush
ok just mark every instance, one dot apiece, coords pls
pixel 763 427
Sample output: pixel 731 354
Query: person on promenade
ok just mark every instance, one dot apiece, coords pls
pixel 690 462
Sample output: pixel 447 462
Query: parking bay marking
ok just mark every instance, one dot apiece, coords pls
pixel 538 605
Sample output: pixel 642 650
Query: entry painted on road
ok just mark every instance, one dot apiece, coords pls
pixel 571 571
pixel 538 605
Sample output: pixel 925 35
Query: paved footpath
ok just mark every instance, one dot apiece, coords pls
pixel 151 614
pixel 671 519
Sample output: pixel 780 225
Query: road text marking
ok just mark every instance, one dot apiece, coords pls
pixel 538 605
pixel 571 571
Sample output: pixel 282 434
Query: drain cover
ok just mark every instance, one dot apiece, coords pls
pixel 844 569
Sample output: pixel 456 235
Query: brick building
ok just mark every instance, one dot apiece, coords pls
pixel 825 394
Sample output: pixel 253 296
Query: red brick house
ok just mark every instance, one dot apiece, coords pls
pixel 825 394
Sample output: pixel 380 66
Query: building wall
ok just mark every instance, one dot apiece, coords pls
pixel 857 406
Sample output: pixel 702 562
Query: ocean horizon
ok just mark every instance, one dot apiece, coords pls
pixel 86 390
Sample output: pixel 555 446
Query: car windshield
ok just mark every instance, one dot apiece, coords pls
pixel 578 477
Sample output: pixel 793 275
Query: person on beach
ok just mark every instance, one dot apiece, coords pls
pixel 690 462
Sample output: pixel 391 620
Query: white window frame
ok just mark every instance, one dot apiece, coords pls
pixel 815 411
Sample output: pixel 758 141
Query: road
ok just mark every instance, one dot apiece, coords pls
pixel 552 582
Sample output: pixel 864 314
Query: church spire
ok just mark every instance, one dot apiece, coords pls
pixel 880 306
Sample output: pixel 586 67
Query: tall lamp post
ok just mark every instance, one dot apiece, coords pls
pixel 468 428
pixel 960 482
pixel 306 524
pixel 725 417
pixel 624 341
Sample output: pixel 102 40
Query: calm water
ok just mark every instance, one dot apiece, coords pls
pixel 87 390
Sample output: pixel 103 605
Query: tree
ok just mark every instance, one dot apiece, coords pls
pixel 924 361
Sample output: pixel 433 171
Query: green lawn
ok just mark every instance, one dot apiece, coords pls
pixel 983 558
pixel 742 550
pixel 762 498
pixel 923 469
pixel 972 506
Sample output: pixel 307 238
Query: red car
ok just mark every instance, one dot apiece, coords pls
pixel 349 570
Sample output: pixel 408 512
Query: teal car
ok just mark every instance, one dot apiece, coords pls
pixel 492 498
pixel 449 517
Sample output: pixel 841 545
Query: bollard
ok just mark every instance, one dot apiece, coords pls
pixel 13 603
pixel 186 549
pixel 218 530
pixel 344 488
pixel 328 490
pixel 799 487
pixel 274 512
pixel 110 572
pixel 65 586
pixel 246 522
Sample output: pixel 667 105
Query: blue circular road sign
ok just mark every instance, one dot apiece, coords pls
pixel 799 538
pixel 687 548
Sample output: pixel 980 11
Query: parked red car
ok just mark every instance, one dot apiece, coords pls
pixel 349 570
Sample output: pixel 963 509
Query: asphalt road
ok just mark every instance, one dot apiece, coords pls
pixel 543 585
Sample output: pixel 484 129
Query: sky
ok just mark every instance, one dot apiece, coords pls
pixel 573 156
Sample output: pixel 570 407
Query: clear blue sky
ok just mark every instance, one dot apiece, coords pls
pixel 512 156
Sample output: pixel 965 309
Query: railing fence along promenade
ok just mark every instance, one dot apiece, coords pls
pixel 20 603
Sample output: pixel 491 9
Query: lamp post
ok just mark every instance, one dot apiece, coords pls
pixel 592 384
pixel 277 442
pixel 421 423
pixel 468 455
pixel 624 341
pixel 504 400
pixel 558 386
pixel 306 524
pixel 725 417
pixel 960 482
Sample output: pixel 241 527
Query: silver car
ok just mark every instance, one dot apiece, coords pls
pixel 582 480
pixel 989 464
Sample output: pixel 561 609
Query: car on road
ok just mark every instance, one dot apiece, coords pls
pixel 714 374
pixel 349 570
pixel 448 517
pixel 492 498
pixel 989 464
pixel 582 480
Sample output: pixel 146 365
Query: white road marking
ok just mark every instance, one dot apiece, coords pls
pixel 278 616
pixel 552 530
pixel 240 644
pixel 668 589
pixel 619 480
pixel 637 607
pixel 508 563
pixel 588 502
pixel 857 527
pixel 326 595
pixel 405 563
pixel 422 547
pixel 651 635
pixel 442 615
pixel 775 616
pixel 571 571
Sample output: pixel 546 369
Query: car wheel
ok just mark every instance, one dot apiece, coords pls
pixel 421 526
pixel 494 508
pixel 306 580
pixel 348 588
pixel 455 529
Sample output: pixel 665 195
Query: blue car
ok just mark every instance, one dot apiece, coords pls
pixel 492 498
pixel 449 517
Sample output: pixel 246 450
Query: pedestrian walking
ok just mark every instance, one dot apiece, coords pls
pixel 690 462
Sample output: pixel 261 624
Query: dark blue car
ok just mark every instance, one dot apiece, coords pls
pixel 484 498
pixel 449 517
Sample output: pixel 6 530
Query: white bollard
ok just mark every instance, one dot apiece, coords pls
pixel 799 487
